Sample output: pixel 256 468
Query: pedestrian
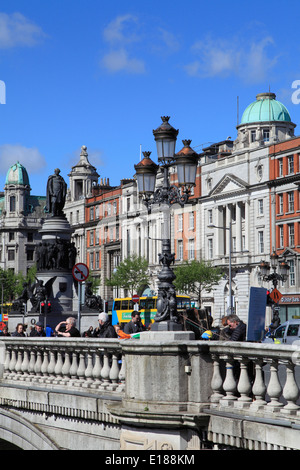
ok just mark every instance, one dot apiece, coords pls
pixel 135 325
pixel 19 330
pixel 238 328
pixel 105 329
pixel 49 331
pixel 38 330
pixel 4 332
pixel 70 329
pixel 225 331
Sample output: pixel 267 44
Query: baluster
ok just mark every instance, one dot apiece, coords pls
pixel 229 384
pixel 74 367
pixel 290 390
pixel 18 366
pixel 58 368
pixel 105 370
pixel 25 364
pixel 89 369
pixel 51 366
pixel 274 389
pixel 96 373
pixel 7 361
pixel 12 363
pixel 217 381
pixel 66 368
pixel 31 366
pixel 45 365
pixel 38 365
pixel 259 388
pixel 81 368
pixel 244 384
pixel 122 374
pixel 114 372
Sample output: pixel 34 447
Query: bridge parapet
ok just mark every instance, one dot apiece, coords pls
pixel 78 364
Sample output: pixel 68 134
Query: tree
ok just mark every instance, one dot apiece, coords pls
pixel 194 277
pixel 131 274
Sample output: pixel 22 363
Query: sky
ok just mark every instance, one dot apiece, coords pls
pixel 102 74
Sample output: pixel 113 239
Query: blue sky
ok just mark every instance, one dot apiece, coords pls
pixel 101 74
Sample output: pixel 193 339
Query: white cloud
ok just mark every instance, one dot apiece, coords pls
pixel 118 60
pixel 30 158
pixel 121 35
pixel 216 57
pixel 17 30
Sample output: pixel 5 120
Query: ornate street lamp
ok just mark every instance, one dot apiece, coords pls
pixel 275 276
pixel 186 162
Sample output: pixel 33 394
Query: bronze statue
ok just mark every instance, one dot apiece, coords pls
pixel 56 194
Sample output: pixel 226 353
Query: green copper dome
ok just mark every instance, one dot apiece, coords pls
pixel 265 108
pixel 17 174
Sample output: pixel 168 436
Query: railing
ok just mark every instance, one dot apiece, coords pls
pixel 88 364
pixel 258 378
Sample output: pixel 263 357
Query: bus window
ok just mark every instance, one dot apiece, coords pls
pixel 118 305
pixel 131 305
pixel 124 304
pixel 142 304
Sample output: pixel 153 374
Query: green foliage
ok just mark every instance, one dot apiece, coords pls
pixel 194 277
pixel 131 274
pixel 12 284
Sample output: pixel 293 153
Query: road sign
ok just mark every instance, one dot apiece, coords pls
pixel 275 295
pixel 135 298
pixel 80 272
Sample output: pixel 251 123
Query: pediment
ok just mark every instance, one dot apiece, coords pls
pixel 229 184
pixel 289 252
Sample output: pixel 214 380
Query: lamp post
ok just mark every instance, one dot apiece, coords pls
pixel 230 261
pixel 274 277
pixel 165 196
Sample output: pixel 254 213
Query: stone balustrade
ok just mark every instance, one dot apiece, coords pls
pixel 256 377
pixel 90 364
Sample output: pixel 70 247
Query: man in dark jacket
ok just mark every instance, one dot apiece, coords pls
pixel 135 325
pixel 238 328
pixel 105 329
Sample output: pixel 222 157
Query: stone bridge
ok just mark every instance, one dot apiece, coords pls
pixel 153 393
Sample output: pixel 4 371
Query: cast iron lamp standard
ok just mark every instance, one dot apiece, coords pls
pixel 165 196
pixel 274 277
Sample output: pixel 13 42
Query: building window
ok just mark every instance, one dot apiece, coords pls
pixel 128 204
pixel 180 249
pixel 191 249
pixel 280 167
pixel 291 234
pixel 291 201
pixel 11 236
pixel 191 221
pixel 11 255
pixel 180 222
pixel 281 239
pixel 261 206
pixel 291 164
pixel 280 204
pixel 97 266
pixel 253 135
pixel 260 242
pixel 97 212
pixel 30 255
pixel 210 216
pixel 30 237
pixel 292 273
pixel 12 203
pixel 210 248
pixel 266 135
pixel 91 213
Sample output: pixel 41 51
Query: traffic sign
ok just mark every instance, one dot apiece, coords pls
pixel 135 298
pixel 80 272
pixel 275 295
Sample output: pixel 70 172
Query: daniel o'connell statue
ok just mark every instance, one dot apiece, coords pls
pixel 56 194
